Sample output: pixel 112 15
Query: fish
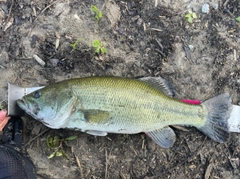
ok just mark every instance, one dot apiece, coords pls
pixel 102 105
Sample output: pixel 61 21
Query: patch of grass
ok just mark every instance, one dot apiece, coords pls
pixel 98 13
pixel 191 16
pixel 56 144
pixel 99 47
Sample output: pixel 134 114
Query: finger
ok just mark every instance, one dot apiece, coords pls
pixel 3 119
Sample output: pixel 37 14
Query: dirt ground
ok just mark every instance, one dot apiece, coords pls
pixel 142 38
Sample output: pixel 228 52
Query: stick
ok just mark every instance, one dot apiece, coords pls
pixel 79 166
pixel 45 9
pixel 106 169
pixel 36 137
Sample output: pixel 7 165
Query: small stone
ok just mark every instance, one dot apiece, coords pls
pixel 54 61
pixel 17 20
pixel 139 22
pixel 190 47
pixel 205 8
pixel 5 8
pixel 215 6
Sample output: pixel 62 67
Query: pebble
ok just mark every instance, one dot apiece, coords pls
pixel 17 20
pixel 5 8
pixel 190 47
pixel 215 6
pixel 54 61
pixel 205 8
pixel 139 22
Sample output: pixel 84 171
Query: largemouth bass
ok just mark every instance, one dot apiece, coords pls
pixel 101 105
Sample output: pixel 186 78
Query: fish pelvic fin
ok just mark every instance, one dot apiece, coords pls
pixel 218 113
pixel 164 137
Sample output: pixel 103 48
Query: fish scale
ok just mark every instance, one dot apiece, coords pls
pixel 134 100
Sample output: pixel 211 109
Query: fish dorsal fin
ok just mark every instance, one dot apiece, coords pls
pixel 161 84
pixel 96 115
pixel 164 137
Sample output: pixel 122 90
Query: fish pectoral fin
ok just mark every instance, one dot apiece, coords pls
pixel 96 133
pixel 164 137
pixel 96 116
pixel 161 84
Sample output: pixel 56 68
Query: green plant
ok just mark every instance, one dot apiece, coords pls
pixel 1 106
pixel 99 47
pixel 98 13
pixel 56 143
pixel 190 16
pixel 238 18
pixel 74 45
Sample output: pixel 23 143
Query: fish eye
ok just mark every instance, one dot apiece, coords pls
pixel 37 94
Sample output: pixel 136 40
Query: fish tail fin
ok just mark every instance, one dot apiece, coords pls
pixel 218 113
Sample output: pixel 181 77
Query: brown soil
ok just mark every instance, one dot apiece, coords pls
pixel 142 38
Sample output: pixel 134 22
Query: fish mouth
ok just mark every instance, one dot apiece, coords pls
pixel 25 107
pixel 22 104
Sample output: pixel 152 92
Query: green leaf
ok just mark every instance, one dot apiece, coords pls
pixel 238 19
pixel 59 154
pixel 96 43
pixel 94 8
pixel 103 50
pixel 100 14
pixel 194 15
pixel 52 155
pixel 188 15
pixel 64 154
pixel 190 20
pixel 97 18
pixel 49 141
pixel 97 50
pixel 56 141
pixel 71 137
pixel 74 45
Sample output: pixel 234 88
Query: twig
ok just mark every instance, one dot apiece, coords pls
pixel 155 29
pixel 10 11
pixel 106 169
pixel 200 147
pixel 180 128
pixel 8 23
pixel 156 3
pixel 45 9
pixel 33 25
pixel 208 171
pixel 36 137
pixel 225 4
pixel 79 166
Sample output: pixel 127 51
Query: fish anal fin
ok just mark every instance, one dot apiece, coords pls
pixel 164 137
pixel 96 116
pixel 96 133
pixel 161 84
